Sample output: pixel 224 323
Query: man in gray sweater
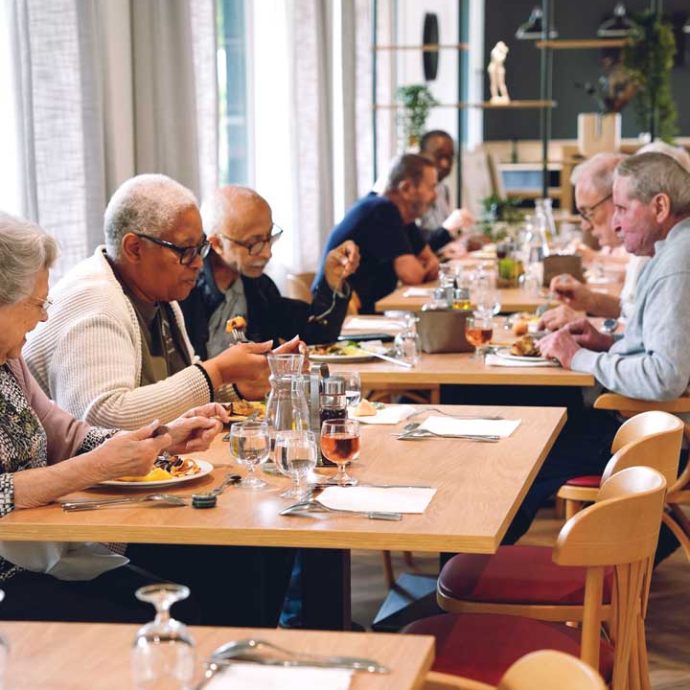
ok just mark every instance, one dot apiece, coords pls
pixel 651 361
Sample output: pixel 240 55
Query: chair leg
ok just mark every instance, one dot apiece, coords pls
pixel 388 573
pixel 642 658
pixel 409 561
pixel 560 508
pixel 572 508
pixel 670 520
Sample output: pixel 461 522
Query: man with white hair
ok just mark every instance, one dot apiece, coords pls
pixel 115 350
pixel 232 282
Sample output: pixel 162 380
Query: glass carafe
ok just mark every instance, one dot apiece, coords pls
pixel 286 408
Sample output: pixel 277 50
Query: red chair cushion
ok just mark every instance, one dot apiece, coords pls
pixel 516 575
pixel 483 647
pixel 592 481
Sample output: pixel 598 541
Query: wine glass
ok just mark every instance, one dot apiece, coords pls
pixel 340 444
pixel 250 444
pixel 295 456
pixel 353 387
pixel 163 650
pixel 478 331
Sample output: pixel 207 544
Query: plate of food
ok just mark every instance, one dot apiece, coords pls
pixel 339 352
pixel 239 410
pixel 166 471
pixel 524 349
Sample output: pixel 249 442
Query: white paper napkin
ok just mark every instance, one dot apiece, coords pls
pixel 255 677
pixel 371 325
pixel 496 361
pixel 370 498
pixel 418 292
pixel 480 427
pixel 390 414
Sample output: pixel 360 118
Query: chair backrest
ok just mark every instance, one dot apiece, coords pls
pixel 298 286
pixel 621 531
pixel 548 669
pixel 655 441
pixel 543 670
pixel 645 424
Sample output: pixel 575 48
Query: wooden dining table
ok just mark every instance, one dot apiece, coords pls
pixel 479 487
pixel 512 299
pixel 96 656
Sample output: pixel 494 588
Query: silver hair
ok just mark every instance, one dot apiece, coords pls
pixel 676 152
pixel 657 173
pixel 217 208
pixel 598 171
pixel 145 203
pixel 25 249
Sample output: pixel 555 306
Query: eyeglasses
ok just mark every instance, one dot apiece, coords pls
pixel 588 213
pixel 45 304
pixel 186 254
pixel 255 248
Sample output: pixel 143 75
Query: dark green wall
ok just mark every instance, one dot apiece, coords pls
pixel 573 19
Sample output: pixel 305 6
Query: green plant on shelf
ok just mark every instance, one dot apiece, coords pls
pixel 649 59
pixel 417 101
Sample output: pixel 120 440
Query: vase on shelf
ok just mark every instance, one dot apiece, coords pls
pixel 597 133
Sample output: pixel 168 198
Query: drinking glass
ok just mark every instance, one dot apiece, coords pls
pixel 340 444
pixel 163 650
pixel 353 387
pixel 250 444
pixel 295 456
pixel 478 332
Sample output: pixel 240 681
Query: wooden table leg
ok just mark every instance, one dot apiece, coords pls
pixel 326 602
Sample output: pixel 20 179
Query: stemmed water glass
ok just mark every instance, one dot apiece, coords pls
pixel 163 650
pixel 295 456
pixel 250 445
pixel 340 444
pixel 479 331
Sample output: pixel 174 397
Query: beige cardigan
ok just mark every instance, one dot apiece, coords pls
pixel 87 356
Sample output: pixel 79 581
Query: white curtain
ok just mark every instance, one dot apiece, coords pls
pixel 106 90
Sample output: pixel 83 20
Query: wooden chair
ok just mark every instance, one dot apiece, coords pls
pixel 582 489
pixel 619 532
pixel 543 670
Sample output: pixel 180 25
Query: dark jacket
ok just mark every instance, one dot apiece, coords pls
pixel 269 315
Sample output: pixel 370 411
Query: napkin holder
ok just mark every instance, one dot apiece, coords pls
pixel 443 330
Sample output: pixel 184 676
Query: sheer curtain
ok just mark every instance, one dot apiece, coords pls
pixel 103 91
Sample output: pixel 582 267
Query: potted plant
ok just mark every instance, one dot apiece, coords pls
pixel 649 59
pixel 417 100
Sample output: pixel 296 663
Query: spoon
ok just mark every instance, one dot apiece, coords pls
pixel 227 481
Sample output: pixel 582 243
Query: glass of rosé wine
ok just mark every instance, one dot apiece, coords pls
pixel 340 444
pixel 479 331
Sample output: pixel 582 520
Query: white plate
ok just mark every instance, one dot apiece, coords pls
pixel 504 352
pixel 206 468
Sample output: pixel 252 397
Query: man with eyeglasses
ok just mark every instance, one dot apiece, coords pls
pixel 232 281
pixel 593 182
pixel 115 350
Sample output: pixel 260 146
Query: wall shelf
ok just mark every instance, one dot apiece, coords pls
pixel 427 48
pixel 487 105
pixel 582 43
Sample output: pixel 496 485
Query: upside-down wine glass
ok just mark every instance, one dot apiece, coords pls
pixel 163 650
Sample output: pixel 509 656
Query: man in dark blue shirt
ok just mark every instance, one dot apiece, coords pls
pixel 390 244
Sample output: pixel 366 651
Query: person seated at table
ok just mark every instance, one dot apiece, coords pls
pixel 593 182
pixel 651 361
pixel 595 177
pixel 232 282
pixel 46 453
pixel 441 224
pixel 390 244
pixel 116 351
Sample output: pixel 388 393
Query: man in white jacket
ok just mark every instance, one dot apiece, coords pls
pixel 115 350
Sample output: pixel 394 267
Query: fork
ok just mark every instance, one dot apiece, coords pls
pixel 314 505
pixel 456 416
pixel 416 433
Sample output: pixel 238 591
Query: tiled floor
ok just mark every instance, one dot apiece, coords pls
pixel 668 620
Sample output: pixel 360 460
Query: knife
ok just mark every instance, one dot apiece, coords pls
pixel 364 665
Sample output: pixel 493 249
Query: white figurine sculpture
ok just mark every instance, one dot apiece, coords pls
pixel 497 74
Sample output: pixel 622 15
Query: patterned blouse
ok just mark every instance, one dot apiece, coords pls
pixel 24 445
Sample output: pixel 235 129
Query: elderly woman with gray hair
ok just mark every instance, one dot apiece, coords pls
pixel 46 453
